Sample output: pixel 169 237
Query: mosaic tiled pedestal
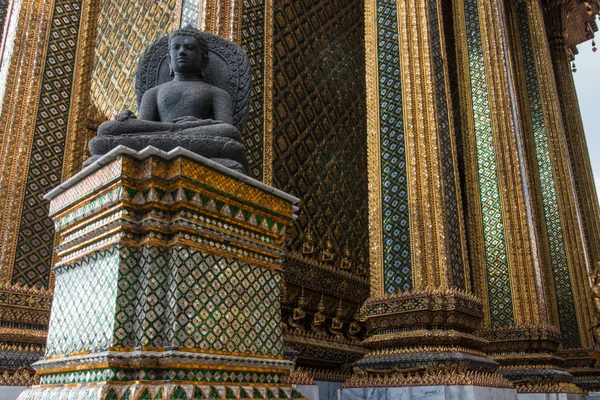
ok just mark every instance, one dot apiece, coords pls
pixel 167 283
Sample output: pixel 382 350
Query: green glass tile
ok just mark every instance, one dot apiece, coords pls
pixel 554 225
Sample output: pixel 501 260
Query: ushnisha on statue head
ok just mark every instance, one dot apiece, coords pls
pixel 183 105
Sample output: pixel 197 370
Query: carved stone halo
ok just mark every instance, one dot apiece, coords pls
pixel 228 68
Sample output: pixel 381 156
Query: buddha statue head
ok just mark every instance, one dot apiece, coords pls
pixel 188 51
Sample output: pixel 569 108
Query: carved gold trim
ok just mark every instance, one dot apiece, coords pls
pixel 159 365
pixel 268 116
pixel 442 375
pixel 374 150
pixel 162 349
pixel 547 387
pixel 23 335
pixel 19 377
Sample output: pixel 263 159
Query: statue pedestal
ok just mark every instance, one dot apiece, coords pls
pixel 167 282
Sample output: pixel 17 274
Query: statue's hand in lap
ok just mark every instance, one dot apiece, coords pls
pixel 189 118
pixel 125 115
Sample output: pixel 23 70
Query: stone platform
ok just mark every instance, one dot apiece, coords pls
pixel 167 282
pixel 431 393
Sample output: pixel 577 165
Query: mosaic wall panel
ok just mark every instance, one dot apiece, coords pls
pixel 84 302
pixel 558 257
pixel 449 181
pixel 252 40
pixel 190 12
pixel 34 244
pixel 210 303
pixel 396 237
pixel 319 138
pixel 125 28
pixel 499 286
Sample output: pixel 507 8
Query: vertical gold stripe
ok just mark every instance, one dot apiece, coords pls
pixel 178 14
pixel 81 88
pixel 18 121
pixel 268 95
pixel 374 151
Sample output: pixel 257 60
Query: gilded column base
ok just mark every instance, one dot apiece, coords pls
pixel 583 365
pixel 432 383
pixel 425 339
pixel 528 358
pixel 168 283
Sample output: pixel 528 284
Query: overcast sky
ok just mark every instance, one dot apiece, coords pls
pixel 587 81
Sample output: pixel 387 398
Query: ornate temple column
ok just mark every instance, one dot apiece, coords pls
pixel 422 312
pixel 520 322
pixel 565 260
pixel 37 72
pixel 555 15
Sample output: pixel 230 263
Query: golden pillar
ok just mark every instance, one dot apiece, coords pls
pixel 505 248
pixel 556 28
pixel 43 61
pixel 565 258
pixel 422 311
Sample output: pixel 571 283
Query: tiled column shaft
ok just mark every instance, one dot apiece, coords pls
pixel 555 15
pixel 566 260
pixel 421 310
pixel 504 237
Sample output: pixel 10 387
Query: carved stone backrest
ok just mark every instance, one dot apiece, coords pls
pixel 228 68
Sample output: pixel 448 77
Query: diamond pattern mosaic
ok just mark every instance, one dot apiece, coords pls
pixel 188 375
pixel 34 244
pixel 84 302
pixel 175 297
pixel 189 12
pixel 499 289
pixel 558 258
pixel 252 40
pixel 452 218
pixel 125 28
pixel 396 237
pixel 320 144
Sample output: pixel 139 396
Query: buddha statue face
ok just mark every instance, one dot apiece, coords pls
pixel 189 53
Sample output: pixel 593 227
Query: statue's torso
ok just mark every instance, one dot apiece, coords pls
pixel 179 99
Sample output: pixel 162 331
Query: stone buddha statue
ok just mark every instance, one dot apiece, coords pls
pixel 188 105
